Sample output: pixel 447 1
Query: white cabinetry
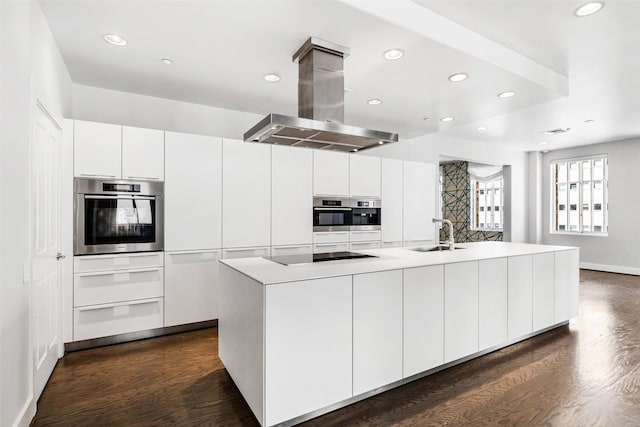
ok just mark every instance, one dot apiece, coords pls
pixel 142 154
pixel 493 302
pixel 419 202
pixel 364 176
pixel 246 194
pixel 377 330
pixel 330 173
pixel 291 196
pixel 193 192
pixel 304 345
pixel 191 287
pixel 520 296
pixel 567 278
pixel 391 196
pixel 97 150
pixel 246 252
pixel 543 290
pixel 423 313
pixel 330 241
pixel 460 310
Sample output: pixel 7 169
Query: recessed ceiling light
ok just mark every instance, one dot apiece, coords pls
pixel 393 54
pixel 589 9
pixel 446 119
pixel 458 77
pixel 426 119
pixel 556 131
pixel 272 78
pixel 115 39
pixel 374 101
pixel 380 142
pixel 346 89
pixel 481 128
pixel 167 61
pixel 507 94
pixel 589 121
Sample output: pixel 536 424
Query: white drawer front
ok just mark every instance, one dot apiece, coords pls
pixel 105 288
pixel 411 243
pixel 392 244
pixel 113 319
pixel 245 253
pixel 359 246
pixel 83 264
pixel 330 236
pixel 291 250
pixel 330 247
pixel 365 236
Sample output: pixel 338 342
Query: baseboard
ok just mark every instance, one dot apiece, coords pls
pixel 610 268
pixel 26 414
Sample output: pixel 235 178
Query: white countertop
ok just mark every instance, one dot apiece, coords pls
pixel 270 272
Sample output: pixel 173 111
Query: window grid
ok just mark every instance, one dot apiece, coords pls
pixel 486 204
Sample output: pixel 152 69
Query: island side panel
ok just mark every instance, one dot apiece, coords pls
pixel 567 275
pixel 240 335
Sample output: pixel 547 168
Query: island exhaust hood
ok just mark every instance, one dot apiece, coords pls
pixel 320 106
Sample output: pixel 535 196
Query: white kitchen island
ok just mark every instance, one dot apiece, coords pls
pixel 302 340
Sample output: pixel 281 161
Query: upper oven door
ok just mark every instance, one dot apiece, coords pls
pixel 331 218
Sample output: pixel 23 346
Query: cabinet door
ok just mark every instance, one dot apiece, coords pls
pixel 567 278
pixel 246 194
pixel 419 201
pixel 308 339
pixel 193 192
pixel 377 330
pixel 391 201
pixel 493 302
pixel 423 312
pixel 460 310
pixel 97 150
pixel 520 296
pixel 364 176
pixel 142 153
pixel 190 287
pixel 330 173
pixel 291 194
pixel 543 290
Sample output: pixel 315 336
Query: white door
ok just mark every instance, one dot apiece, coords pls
pixel 45 273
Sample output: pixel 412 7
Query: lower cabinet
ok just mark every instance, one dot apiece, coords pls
pixel 520 296
pixel 377 330
pixel 361 246
pixel 191 287
pixel 246 252
pixel 423 319
pixel 291 250
pixel 308 353
pixel 460 310
pixel 543 290
pixel 567 278
pixel 493 303
pixel 319 248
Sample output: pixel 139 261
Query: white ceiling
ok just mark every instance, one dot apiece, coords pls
pixel 222 49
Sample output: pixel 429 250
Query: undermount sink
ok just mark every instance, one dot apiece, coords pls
pixel 439 248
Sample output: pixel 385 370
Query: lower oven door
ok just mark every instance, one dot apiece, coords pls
pixel 113 224
pixel 331 219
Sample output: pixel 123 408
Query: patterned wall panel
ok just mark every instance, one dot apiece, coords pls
pixel 457 205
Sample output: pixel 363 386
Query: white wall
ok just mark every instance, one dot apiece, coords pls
pixel 32 68
pixel 620 250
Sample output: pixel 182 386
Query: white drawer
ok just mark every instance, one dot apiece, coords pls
pixel 392 244
pixel 245 252
pixel 291 250
pixel 107 287
pixel 82 264
pixel 113 319
pixel 330 247
pixel 359 246
pixel 411 243
pixel 330 236
pixel 365 236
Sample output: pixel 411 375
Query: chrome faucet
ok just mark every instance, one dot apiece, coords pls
pixel 449 242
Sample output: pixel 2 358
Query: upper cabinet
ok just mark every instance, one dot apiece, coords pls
pixel 419 201
pixel 330 173
pixel 392 201
pixel 291 198
pixel 364 176
pixel 112 151
pixel 246 194
pixel 142 153
pixel 97 150
pixel 193 175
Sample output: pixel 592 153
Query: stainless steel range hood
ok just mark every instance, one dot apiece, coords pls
pixel 320 106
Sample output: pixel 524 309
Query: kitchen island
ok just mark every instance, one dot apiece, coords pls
pixel 302 340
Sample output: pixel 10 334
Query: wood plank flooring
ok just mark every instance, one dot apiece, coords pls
pixel 585 374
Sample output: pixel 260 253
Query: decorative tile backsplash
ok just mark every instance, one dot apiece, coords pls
pixel 456 185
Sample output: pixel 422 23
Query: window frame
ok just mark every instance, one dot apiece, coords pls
pixel 474 202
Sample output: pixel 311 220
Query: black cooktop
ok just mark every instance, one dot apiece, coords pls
pixel 310 258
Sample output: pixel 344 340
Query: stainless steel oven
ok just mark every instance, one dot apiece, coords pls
pixel 331 214
pixel 366 214
pixel 114 216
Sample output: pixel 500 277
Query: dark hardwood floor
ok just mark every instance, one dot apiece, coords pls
pixel 585 374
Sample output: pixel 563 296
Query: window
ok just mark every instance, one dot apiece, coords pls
pixel 486 203
pixel 580 182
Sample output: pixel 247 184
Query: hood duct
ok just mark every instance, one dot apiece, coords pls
pixel 320 106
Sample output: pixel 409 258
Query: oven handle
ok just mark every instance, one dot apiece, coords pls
pixel 123 197
pixel 331 209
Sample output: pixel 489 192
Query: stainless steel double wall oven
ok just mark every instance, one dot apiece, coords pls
pixel 115 216
pixel 344 214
